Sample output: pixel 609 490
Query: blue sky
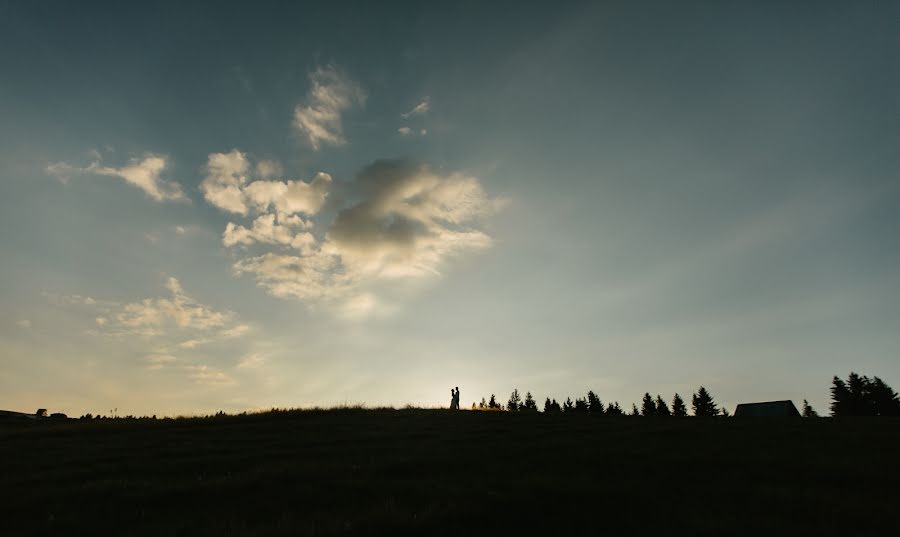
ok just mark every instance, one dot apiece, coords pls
pixel 229 206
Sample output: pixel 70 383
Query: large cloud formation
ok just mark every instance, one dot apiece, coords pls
pixel 404 220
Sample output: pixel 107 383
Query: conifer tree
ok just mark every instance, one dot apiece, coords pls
pixel 662 409
pixel 884 399
pixel 529 404
pixel 703 405
pixel 634 410
pixel 581 405
pixel 515 402
pixel 808 411
pixel 492 404
pixel 595 405
pixel 648 407
pixel 678 407
pixel 548 407
pixel 568 406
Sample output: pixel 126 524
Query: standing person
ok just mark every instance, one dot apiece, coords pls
pixel 456 398
pixel 452 399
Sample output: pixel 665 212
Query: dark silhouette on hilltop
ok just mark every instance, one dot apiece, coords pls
pixel 703 405
pixel 767 409
pixel 808 411
pixel 862 396
pixel 679 410
pixel 515 402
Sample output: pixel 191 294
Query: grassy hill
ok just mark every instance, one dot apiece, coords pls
pixel 433 472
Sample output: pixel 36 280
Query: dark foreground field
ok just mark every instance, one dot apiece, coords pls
pixel 429 472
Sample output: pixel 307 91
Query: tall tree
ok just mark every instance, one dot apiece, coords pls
pixel 678 407
pixel 703 405
pixel 548 407
pixel 884 399
pixel 634 410
pixel 581 405
pixel 529 404
pixel 808 411
pixel 648 407
pixel 613 409
pixel 515 402
pixel 568 406
pixel 662 409
pixel 862 396
pixel 840 398
pixel 595 405
pixel 493 404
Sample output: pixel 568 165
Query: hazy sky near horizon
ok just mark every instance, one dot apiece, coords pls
pixel 236 206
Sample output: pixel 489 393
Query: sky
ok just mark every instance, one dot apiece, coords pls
pixel 230 206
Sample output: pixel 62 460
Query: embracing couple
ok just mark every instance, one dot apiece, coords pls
pixel 454 398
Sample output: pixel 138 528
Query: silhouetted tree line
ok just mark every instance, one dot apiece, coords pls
pixel 702 404
pixel 862 396
pixel 857 396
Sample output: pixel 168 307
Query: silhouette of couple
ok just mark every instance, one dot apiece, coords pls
pixel 454 398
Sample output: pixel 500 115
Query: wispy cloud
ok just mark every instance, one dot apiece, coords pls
pixel 208 376
pixel 319 117
pixel 419 110
pixel 144 173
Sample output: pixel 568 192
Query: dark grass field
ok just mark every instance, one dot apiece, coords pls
pixel 432 472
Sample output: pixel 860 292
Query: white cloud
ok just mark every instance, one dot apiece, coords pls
pixel 268 231
pixel 252 360
pixel 318 119
pixel 226 174
pixel 269 168
pixel 203 374
pixel 144 173
pixel 23 323
pixel 228 187
pixel 158 361
pixel 62 171
pixel 419 110
pixel 406 131
pixel 408 221
pixel 176 315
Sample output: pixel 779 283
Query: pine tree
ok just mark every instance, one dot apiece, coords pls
pixel 595 405
pixel 840 398
pixel 529 404
pixel 884 399
pixel 568 406
pixel 614 409
pixel 862 396
pixel 482 405
pixel 515 402
pixel 679 410
pixel 703 404
pixel 648 407
pixel 662 409
pixel 548 407
pixel 492 404
pixel 634 410
pixel 581 405
pixel 808 411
